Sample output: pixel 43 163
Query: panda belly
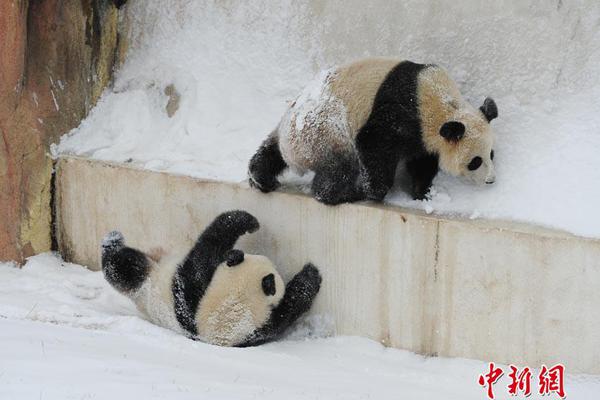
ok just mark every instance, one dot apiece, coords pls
pixel 155 297
pixel 315 127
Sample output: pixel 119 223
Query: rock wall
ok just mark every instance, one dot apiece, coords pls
pixel 56 56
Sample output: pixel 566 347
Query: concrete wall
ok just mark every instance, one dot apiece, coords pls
pixel 489 290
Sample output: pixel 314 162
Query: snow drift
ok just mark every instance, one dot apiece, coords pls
pixel 66 334
pixel 235 65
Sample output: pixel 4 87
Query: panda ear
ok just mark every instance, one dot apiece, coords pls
pixel 452 131
pixel 489 109
pixel 234 257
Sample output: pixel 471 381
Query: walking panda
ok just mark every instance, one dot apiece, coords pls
pixel 214 293
pixel 354 124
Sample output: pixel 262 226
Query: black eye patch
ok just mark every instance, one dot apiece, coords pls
pixel 492 155
pixel 475 163
pixel 268 285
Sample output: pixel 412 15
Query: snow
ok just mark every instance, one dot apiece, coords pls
pixel 65 334
pixel 237 66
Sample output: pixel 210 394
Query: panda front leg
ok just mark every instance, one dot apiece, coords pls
pixel 266 164
pixel 220 237
pixel 336 179
pixel 125 268
pixel 299 295
pixel 422 170
pixel 195 273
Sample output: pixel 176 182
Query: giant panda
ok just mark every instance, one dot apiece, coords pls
pixel 354 124
pixel 213 293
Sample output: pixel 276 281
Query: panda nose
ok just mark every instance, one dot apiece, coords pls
pixel 490 181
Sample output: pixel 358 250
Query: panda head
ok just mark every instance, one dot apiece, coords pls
pixel 244 290
pixel 255 276
pixel 467 144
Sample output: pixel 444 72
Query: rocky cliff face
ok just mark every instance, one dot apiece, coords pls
pixel 56 57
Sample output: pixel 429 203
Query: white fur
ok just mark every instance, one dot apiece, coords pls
pixel 440 101
pixel 155 297
pixel 234 304
pixel 325 118
pixel 313 124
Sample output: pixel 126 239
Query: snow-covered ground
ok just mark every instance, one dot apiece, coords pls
pixel 236 65
pixel 66 334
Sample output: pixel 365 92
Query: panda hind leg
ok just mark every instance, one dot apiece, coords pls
pixel 266 164
pixel 125 268
pixel 335 182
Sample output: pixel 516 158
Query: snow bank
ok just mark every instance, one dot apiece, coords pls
pixel 235 65
pixel 65 334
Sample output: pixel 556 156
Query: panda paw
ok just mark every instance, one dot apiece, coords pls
pixel 420 192
pixel 239 219
pixel 311 278
pixel 114 239
pixel 266 186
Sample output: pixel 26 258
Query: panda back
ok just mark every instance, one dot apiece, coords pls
pixel 356 86
pixel 327 115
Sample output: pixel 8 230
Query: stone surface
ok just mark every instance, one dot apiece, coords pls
pixel 55 59
pixel 490 290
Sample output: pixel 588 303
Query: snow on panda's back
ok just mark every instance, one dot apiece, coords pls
pixel 239 300
pixel 329 112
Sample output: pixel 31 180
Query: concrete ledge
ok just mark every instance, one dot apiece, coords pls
pixel 489 290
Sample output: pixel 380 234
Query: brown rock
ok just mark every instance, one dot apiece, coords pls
pixel 55 59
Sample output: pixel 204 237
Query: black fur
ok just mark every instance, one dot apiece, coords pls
pixel 119 3
pixel 335 180
pixel 234 257
pixel 266 164
pixel 489 109
pixel 268 285
pixel 299 295
pixel 194 275
pixel 124 268
pixel 422 170
pixel 392 131
pixel 475 163
pixel 452 131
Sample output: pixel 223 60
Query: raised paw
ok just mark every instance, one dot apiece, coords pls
pixel 113 240
pixel 311 279
pixel 239 218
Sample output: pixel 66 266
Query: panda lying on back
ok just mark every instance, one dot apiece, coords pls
pixel 354 124
pixel 214 293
